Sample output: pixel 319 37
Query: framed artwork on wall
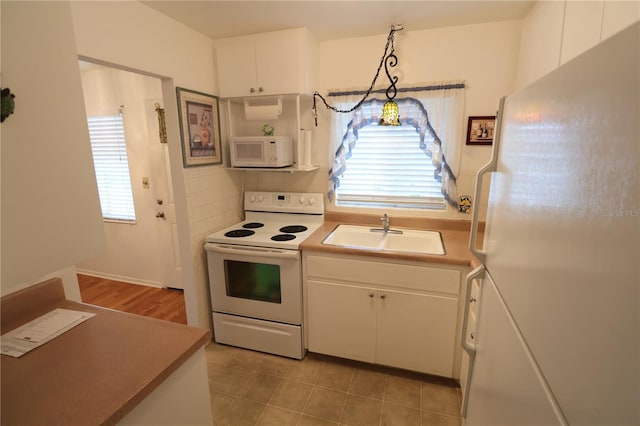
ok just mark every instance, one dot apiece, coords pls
pixel 480 130
pixel 199 116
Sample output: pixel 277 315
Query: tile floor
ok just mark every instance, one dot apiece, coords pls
pixel 251 388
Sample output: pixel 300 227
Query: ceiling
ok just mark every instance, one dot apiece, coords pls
pixel 330 20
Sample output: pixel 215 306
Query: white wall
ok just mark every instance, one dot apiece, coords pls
pixel 134 36
pixel 50 210
pixel 483 55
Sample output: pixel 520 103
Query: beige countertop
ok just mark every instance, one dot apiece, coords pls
pixel 95 373
pixel 455 237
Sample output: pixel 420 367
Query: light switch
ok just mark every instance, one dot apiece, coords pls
pixel 145 182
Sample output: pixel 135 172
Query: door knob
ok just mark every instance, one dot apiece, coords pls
pixel 383 296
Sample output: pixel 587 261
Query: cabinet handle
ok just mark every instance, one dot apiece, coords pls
pixel 383 296
pixel 472 335
pixel 252 90
pixel 473 299
pixel 371 295
pixel 260 89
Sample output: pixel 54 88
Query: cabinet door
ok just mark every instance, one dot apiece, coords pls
pixel 236 69
pixel 341 320
pixel 582 23
pixel 617 16
pixel 278 63
pixel 416 331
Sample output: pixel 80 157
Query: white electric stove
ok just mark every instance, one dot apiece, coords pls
pixel 255 272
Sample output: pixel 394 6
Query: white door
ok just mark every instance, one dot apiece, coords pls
pixel 416 331
pixel 162 187
pixel 342 320
pixel 562 236
pixel 507 388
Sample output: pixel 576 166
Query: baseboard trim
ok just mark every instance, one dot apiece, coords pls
pixel 130 280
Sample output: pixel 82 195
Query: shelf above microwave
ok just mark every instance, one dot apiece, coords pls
pixel 290 169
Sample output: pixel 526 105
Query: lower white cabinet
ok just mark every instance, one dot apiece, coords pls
pixel 398 315
pixel 342 320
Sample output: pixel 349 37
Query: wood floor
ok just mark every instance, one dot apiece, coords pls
pixel 160 303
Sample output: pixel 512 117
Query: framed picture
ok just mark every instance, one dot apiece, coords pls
pixel 199 115
pixel 480 130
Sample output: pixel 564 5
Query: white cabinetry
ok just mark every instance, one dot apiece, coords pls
pixel 556 32
pixel 274 63
pixel 387 313
pixel 582 21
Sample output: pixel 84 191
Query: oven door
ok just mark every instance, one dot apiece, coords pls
pixel 256 282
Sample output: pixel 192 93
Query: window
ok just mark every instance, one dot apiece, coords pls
pixel 112 167
pixel 409 166
pixel 387 168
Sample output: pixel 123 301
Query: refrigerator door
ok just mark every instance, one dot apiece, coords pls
pixel 562 240
pixel 507 387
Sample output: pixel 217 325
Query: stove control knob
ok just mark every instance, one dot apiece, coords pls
pixel 301 200
pixel 252 198
pixel 311 201
pixel 260 198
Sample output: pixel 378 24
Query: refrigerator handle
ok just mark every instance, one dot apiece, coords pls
pixel 470 349
pixel 491 166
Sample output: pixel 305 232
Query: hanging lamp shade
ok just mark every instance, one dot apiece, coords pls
pixel 390 115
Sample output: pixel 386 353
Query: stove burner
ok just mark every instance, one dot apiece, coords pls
pixel 283 237
pixel 237 233
pixel 253 225
pixel 292 229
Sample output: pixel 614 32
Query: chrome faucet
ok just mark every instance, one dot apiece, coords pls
pixel 385 222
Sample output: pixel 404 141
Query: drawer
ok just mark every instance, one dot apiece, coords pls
pixel 420 278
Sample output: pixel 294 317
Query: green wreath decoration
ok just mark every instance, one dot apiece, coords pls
pixel 8 104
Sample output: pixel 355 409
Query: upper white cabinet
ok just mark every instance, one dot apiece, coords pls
pixel 275 63
pixel 554 32
pixel 582 22
pixel 618 15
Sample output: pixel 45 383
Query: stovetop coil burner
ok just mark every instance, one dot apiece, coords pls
pixel 283 237
pixel 253 225
pixel 293 229
pixel 238 233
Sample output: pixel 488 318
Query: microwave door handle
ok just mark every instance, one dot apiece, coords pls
pixel 259 251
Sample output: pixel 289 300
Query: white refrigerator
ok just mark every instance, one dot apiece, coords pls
pixel 558 326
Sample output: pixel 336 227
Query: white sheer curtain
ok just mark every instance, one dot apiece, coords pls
pixel 436 110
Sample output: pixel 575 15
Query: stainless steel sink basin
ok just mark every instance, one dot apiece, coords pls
pixel 410 240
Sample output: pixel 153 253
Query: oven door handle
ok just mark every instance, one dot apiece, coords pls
pixel 261 251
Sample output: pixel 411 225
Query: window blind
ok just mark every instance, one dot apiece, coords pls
pixel 387 168
pixel 112 167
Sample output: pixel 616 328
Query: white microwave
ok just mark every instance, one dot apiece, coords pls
pixel 261 151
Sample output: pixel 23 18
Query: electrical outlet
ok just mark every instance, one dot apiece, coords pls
pixel 145 182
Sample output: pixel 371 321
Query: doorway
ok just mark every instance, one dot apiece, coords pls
pixel 143 250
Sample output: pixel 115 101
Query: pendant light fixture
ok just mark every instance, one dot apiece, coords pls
pixel 390 115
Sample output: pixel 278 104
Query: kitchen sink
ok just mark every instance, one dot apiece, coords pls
pixel 405 240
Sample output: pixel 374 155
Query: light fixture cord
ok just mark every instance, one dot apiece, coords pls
pixel 383 60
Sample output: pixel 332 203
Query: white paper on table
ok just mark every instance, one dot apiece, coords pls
pixel 40 330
